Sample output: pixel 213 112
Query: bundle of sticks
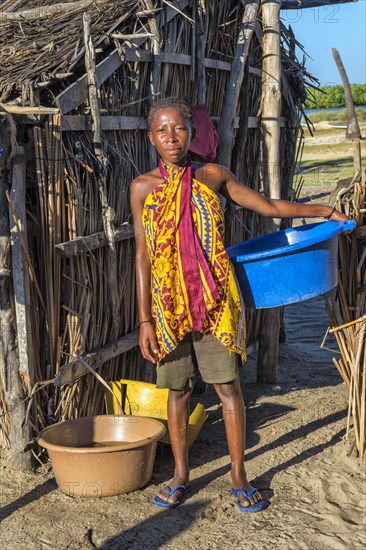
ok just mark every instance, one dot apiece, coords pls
pixel 347 311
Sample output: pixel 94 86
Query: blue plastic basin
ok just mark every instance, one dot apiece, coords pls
pixel 290 265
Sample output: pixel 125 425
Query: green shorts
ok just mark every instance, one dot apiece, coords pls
pixel 197 351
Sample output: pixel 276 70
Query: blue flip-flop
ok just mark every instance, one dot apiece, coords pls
pixel 164 504
pixel 257 507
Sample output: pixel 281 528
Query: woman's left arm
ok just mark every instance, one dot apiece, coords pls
pixel 274 208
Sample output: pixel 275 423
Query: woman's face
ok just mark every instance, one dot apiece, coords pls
pixel 171 134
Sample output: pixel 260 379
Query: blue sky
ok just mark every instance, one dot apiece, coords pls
pixel 340 26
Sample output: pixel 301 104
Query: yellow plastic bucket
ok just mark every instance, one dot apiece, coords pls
pixel 145 399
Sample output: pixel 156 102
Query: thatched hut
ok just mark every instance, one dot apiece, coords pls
pixel 74 91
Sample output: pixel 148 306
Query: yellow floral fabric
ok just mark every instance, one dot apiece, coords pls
pixel 171 307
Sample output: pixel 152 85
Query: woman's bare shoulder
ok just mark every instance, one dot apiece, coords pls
pixel 143 184
pixel 147 177
pixel 212 175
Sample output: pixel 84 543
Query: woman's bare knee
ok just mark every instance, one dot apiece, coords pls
pixel 229 390
pixel 179 395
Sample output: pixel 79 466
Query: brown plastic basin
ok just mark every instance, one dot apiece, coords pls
pixel 102 455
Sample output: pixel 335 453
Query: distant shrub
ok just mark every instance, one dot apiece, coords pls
pixel 334 96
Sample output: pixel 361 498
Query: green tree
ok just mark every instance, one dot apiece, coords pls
pixel 359 93
pixel 333 96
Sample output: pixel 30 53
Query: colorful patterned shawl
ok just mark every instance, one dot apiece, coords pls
pixel 193 286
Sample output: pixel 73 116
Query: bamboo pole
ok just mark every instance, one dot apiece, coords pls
pixel 347 325
pixel 55 205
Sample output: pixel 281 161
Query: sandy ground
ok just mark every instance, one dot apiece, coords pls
pixel 296 454
pixel 328 141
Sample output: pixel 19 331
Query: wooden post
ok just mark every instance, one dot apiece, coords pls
pixel 268 344
pixel 353 130
pixel 200 52
pixel 107 212
pixel 241 138
pixel 7 334
pixel 271 100
pixel 156 48
pixel 155 68
pixel 20 433
pixel 226 127
pixel 19 264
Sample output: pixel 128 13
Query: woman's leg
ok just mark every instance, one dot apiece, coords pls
pixel 233 410
pixel 177 371
pixel 178 415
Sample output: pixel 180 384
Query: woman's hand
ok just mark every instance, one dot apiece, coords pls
pixel 147 341
pixel 338 216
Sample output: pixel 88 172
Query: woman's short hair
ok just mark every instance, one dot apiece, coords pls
pixel 166 103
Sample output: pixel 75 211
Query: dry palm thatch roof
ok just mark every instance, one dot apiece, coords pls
pixel 42 43
pixel 42 47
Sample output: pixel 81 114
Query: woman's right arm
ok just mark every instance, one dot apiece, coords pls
pixel 147 337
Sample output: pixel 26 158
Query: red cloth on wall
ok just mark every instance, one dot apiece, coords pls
pixel 203 147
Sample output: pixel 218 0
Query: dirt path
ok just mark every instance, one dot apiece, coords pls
pixel 329 142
